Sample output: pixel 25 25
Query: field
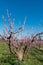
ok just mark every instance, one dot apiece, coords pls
pixel 35 56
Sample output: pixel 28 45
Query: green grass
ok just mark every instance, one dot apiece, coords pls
pixel 35 56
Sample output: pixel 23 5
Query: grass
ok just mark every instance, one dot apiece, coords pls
pixel 35 56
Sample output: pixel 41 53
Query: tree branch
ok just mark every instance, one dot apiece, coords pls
pixel 36 36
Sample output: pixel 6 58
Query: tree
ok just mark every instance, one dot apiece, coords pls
pixel 17 47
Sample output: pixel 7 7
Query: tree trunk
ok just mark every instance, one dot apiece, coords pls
pixel 20 55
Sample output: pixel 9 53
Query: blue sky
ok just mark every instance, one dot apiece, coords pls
pixel 33 9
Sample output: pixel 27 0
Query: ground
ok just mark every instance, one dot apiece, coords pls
pixel 35 56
